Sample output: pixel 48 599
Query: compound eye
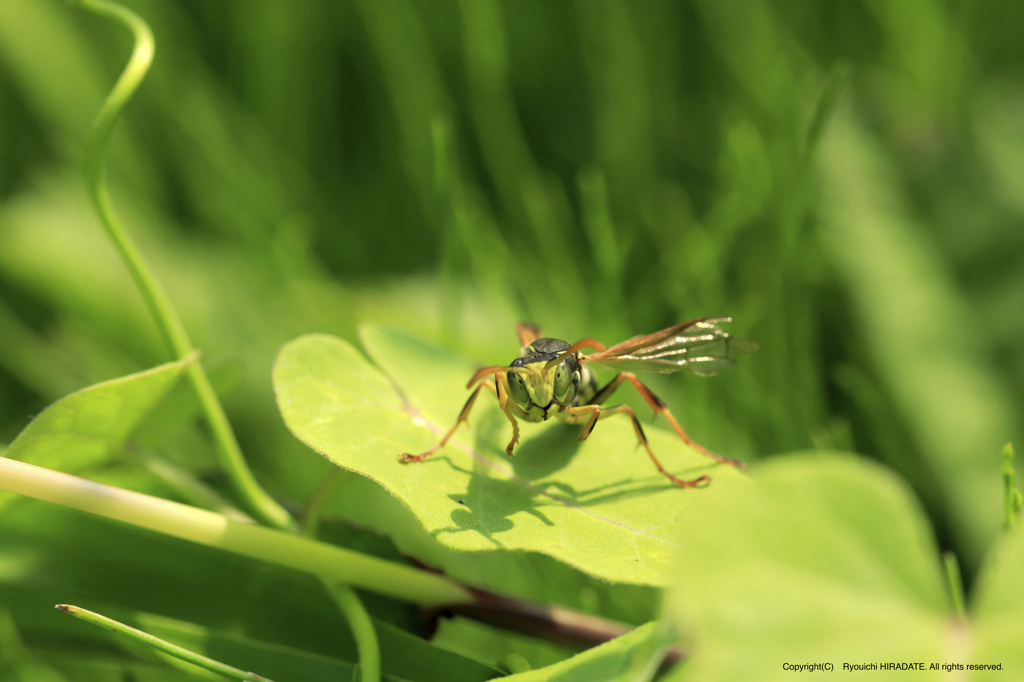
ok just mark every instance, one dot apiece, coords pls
pixel 563 382
pixel 517 387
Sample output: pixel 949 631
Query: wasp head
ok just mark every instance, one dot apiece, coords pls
pixel 532 382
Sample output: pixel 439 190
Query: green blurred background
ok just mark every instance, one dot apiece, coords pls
pixel 845 179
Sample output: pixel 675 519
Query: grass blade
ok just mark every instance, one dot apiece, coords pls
pixel 161 645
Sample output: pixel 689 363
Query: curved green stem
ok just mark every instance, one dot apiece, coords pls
pixel 264 507
pixel 362 630
pixel 345 597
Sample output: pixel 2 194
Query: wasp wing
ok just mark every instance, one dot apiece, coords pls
pixel 700 346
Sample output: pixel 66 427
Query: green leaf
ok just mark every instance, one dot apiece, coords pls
pixel 524 574
pixel 600 506
pixel 182 404
pixel 634 657
pixel 88 428
pixel 528 575
pixel 828 559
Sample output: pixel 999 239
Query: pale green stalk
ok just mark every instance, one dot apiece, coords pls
pixel 331 563
pixel 161 645
pixel 190 488
pixel 264 507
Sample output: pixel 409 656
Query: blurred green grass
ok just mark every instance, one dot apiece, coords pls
pixel 602 168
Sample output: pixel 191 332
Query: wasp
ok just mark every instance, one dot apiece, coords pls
pixel 552 378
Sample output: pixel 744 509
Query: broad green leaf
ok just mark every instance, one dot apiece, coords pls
pixel 181 404
pixel 634 657
pixel 524 574
pixel 529 575
pixel 87 428
pixel 599 505
pixel 828 559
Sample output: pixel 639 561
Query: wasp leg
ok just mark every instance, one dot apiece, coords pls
pixel 574 415
pixel 501 389
pixel 658 405
pixel 462 417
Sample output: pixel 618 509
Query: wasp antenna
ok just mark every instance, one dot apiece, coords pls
pixel 586 343
pixel 557 359
pixel 481 373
